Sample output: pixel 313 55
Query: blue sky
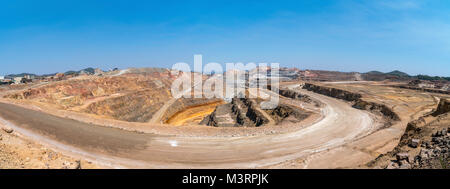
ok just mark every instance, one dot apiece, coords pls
pixel 52 36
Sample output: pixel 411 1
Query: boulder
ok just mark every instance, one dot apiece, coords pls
pixel 8 129
pixel 402 156
pixel 414 143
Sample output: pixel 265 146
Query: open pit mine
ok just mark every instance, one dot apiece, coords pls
pixel 129 119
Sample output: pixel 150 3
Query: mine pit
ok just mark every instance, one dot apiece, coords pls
pixel 193 115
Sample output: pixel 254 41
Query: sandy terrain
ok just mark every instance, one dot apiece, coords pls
pixel 338 136
pixel 17 152
pixel 341 124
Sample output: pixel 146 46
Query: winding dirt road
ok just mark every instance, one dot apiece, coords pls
pixel 119 148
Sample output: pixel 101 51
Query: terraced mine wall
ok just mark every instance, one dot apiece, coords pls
pixel 244 112
pixel 184 103
pixel 443 107
pixel 253 113
pixel 240 112
pixel 355 98
pixel 283 111
pixel 421 89
pixel 294 95
pixel 332 92
pixel 134 107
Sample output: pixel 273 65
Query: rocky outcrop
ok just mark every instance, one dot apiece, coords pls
pixel 374 107
pixel 286 112
pixel 221 117
pixel 355 98
pixel 254 113
pixel 421 89
pixel 426 143
pixel 443 107
pixel 294 95
pixel 332 92
pixel 135 107
pixel 241 112
pixel 244 112
pixel 433 154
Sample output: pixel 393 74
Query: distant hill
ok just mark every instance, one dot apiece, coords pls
pixel 374 73
pixel 86 70
pixel 380 76
pixel 398 73
pixel 19 75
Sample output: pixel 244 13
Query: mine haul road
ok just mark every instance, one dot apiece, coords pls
pixel 126 149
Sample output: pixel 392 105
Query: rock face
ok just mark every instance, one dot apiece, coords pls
pixel 414 143
pixel 285 112
pixel 245 112
pixel 374 107
pixel 443 107
pixel 129 97
pixel 135 107
pixel 7 129
pixel 294 95
pixel 240 112
pixel 422 89
pixel 221 117
pixel 332 92
pixel 435 154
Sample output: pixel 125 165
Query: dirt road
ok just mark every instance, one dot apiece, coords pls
pixel 341 124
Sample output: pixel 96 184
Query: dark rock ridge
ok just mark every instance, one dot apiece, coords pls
pixel 286 112
pixel 294 95
pixel 240 112
pixel 443 107
pixel 245 112
pixel 374 107
pixel 355 98
pixel 421 89
pixel 221 117
pixel 135 107
pixel 425 144
pixel 332 92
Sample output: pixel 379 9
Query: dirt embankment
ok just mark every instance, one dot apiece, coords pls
pixel 443 107
pixel 356 99
pixel 245 112
pixel 133 98
pixel 424 145
pixel 240 112
pixel 135 107
pixel 421 89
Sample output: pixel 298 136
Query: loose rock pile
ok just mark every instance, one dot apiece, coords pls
pixel 433 154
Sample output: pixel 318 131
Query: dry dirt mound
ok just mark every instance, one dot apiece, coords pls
pixel 129 97
pixel 443 107
pixel 186 111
